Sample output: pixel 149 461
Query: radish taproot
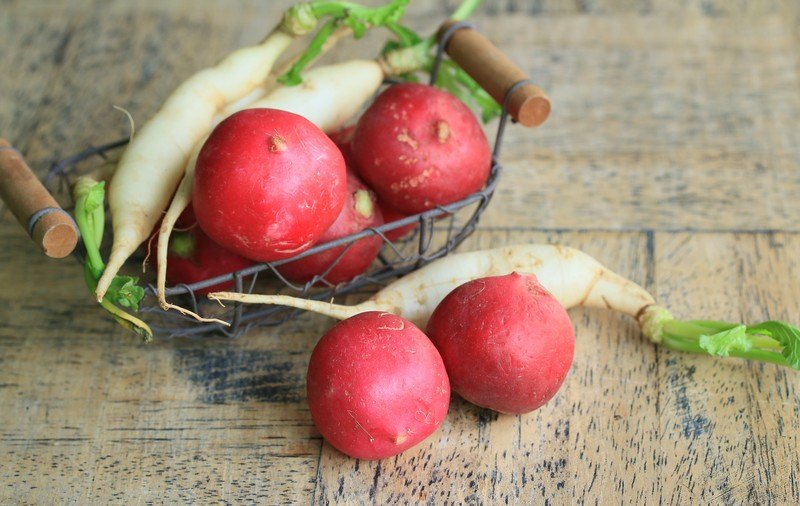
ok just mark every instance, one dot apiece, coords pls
pixel 575 279
pixel 267 184
pixel 152 165
pixel 343 263
pixel 571 276
pixel 506 343
pixel 376 386
pixel 419 147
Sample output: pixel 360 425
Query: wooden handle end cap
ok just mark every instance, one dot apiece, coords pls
pixel 530 104
pixel 56 233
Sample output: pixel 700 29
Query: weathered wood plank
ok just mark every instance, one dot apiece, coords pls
pixel 558 453
pixel 103 418
pixel 668 116
pixel 685 123
pixel 728 428
pixel 632 423
pixel 31 56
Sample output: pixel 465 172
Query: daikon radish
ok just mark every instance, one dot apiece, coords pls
pixel 575 279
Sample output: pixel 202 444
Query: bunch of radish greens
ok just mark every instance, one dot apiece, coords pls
pixel 258 163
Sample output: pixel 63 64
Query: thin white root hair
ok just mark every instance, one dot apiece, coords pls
pixel 182 310
pixel 338 311
pixel 130 119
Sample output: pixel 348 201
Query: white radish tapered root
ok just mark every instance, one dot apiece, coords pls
pixel 153 163
pixel 570 275
pixel 179 203
pixel 260 93
pixel 329 95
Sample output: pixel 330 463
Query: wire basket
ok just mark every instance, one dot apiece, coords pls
pixel 438 231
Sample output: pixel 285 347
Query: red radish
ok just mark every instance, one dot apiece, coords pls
pixel 268 183
pixel 506 342
pixel 390 215
pixel 419 147
pixel 376 386
pixel 358 213
pixel 194 257
pixel 343 139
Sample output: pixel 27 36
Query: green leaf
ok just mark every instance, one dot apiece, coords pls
pixel 787 335
pixel 723 343
pixel 355 24
pixel 407 37
pixel 357 17
pixel 125 292
pixel 94 197
pixel 389 13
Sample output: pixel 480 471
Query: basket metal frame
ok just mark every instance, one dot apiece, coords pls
pixel 394 260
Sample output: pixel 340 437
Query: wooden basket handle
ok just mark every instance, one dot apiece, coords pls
pixel 50 227
pixel 496 73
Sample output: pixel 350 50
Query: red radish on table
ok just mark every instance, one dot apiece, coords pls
pixel 376 386
pixel 267 184
pixel 419 147
pixel 359 212
pixel 507 344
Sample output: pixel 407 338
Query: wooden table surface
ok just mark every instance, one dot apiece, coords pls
pixel 671 155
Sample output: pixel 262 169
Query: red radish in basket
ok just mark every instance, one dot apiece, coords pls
pixel 390 215
pixel 192 256
pixel 376 386
pixel 419 147
pixel 343 139
pixel 359 212
pixel 268 183
pixel 506 342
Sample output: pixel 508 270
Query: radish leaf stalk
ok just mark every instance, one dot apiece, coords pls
pixel 770 341
pixel 123 290
pixel 411 53
pixel 356 17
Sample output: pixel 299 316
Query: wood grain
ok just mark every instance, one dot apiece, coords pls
pixel 671 155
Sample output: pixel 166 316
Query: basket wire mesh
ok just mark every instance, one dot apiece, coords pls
pixel 438 231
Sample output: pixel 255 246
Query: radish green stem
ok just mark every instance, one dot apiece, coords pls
pixel 90 218
pixel 357 17
pixel 411 54
pixel 181 245
pixel 771 341
pixel 93 260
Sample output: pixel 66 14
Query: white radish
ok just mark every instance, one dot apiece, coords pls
pixel 328 97
pixel 570 275
pixel 153 163
pixel 575 279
